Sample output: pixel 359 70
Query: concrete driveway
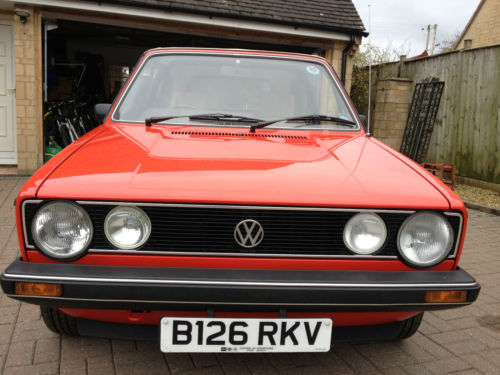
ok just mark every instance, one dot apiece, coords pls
pixel 460 341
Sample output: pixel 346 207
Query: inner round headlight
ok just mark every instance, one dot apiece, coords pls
pixel 425 239
pixel 62 230
pixel 127 227
pixel 365 233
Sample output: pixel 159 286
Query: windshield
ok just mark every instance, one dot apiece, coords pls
pixel 260 88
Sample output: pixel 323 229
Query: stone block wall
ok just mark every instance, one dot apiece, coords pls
pixel 484 29
pixel 28 118
pixel 392 101
pixel 334 56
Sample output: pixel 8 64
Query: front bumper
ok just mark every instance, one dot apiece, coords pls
pixel 198 289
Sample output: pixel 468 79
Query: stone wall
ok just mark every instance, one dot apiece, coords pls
pixel 334 56
pixel 27 60
pixel 391 110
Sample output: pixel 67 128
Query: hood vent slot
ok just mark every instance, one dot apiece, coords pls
pixel 254 135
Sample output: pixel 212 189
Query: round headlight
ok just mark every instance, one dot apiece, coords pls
pixel 127 227
pixel 365 233
pixel 425 239
pixel 62 230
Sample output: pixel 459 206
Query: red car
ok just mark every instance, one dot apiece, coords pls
pixel 232 201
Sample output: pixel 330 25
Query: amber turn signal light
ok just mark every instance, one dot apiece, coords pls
pixel 445 296
pixel 39 289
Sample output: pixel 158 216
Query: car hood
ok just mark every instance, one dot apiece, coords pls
pixel 227 165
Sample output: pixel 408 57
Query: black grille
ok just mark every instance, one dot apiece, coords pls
pixel 211 230
pixel 258 135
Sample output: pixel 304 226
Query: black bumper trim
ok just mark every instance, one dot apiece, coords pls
pixel 119 287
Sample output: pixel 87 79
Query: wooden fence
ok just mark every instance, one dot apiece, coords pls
pixel 467 128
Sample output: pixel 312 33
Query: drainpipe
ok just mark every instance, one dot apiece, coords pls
pixel 344 57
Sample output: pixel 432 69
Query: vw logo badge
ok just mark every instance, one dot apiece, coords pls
pixel 248 233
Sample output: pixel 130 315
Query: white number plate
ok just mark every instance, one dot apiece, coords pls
pixel 244 335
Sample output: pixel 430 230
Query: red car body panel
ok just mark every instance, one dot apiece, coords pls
pixel 240 262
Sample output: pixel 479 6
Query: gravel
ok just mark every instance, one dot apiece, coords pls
pixel 478 195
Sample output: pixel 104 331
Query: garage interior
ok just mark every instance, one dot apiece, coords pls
pixel 86 63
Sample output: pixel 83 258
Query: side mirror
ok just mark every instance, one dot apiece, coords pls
pixel 364 120
pixel 101 111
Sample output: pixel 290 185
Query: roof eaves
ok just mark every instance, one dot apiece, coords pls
pixel 169 8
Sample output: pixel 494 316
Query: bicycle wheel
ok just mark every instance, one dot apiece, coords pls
pixel 64 134
pixel 73 133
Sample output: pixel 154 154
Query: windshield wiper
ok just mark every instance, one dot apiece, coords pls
pixel 154 120
pixel 206 116
pixel 314 119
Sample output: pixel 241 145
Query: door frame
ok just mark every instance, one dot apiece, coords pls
pixel 11 158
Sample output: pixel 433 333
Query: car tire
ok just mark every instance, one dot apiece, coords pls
pixel 378 332
pixel 410 327
pixel 58 322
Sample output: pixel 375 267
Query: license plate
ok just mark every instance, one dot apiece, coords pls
pixel 195 335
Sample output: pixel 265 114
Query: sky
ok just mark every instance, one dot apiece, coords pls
pixel 402 24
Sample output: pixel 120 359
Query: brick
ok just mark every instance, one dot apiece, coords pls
pixel 141 368
pixel 492 356
pixel 467 372
pixel 334 363
pixel 466 347
pixel 353 358
pixel 31 330
pixel 119 346
pixel 259 365
pixel 201 360
pixel 100 365
pixel 303 370
pixel 430 346
pixel 416 352
pixel 179 362
pixel 28 312
pixel 20 353
pixel 417 370
pixel 8 314
pixel 51 368
pixel 5 332
pixel 483 363
pixel 73 369
pixel 236 368
pixel 449 337
pixel 445 366
pixel 47 350
pixel 204 371
pixel 282 361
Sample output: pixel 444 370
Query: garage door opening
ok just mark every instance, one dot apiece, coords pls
pixel 87 63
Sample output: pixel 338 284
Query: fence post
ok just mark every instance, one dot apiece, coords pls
pixel 402 66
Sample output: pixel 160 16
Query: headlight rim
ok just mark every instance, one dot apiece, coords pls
pixel 445 255
pixel 49 255
pixel 383 243
pixel 126 248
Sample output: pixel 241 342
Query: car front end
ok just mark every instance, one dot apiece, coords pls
pixel 241 231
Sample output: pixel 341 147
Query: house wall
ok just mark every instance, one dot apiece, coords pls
pixel 334 56
pixel 484 30
pixel 27 51
pixel 467 127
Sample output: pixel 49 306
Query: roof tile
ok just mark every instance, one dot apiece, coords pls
pixel 340 15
